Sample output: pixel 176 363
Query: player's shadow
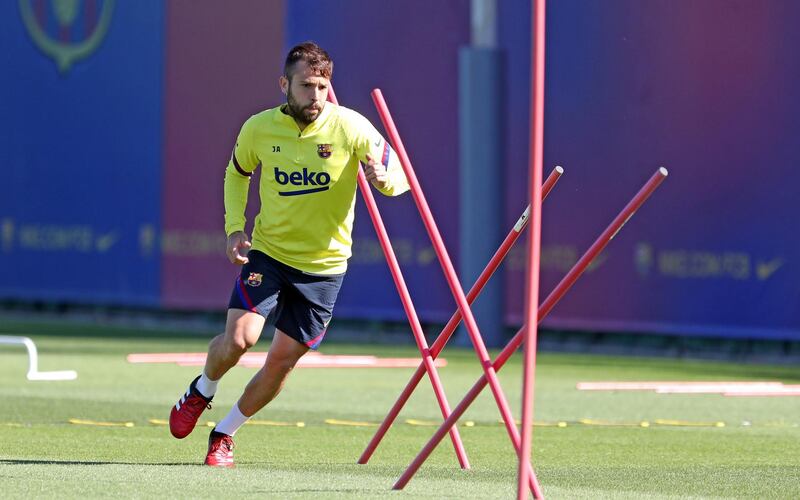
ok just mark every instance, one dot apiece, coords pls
pixel 21 461
pixel 352 491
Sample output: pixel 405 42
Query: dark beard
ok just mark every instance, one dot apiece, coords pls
pixel 299 113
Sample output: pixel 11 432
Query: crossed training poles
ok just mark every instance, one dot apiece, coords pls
pixel 427 365
pixel 464 312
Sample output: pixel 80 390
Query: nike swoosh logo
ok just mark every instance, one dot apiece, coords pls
pixel 766 269
pixel 105 242
pixel 597 262
pixel 426 255
pixel 303 191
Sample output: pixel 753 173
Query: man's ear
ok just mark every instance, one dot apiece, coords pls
pixel 284 84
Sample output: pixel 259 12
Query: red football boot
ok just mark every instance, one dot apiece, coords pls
pixel 187 410
pixel 220 450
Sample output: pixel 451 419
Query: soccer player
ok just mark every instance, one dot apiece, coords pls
pixel 309 151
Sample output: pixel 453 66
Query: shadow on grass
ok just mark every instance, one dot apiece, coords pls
pixel 21 461
pixel 67 329
pixel 354 491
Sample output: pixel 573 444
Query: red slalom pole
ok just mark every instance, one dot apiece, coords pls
pixel 408 306
pixel 558 292
pixel 448 330
pixel 449 271
pixel 534 251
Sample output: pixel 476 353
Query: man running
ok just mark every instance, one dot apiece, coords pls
pixel 309 151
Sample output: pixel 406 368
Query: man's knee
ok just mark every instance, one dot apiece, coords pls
pixel 242 333
pixel 238 344
pixel 281 364
pixel 280 361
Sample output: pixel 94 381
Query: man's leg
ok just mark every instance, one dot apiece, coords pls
pixel 304 310
pixel 242 330
pixel 266 383
pixel 262 388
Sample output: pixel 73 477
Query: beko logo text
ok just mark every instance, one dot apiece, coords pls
pixel 319 180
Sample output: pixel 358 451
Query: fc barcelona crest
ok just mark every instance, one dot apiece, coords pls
pixel 67 30
pixel 324 150
pixel 254 279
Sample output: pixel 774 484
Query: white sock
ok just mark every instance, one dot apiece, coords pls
pixel 206 386
pixel 232 421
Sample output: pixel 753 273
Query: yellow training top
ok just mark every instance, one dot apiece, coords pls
pixel 308 184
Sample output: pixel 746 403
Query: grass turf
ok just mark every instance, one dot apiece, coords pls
pixel 756 454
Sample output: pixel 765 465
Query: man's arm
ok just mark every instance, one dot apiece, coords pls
pixel 238 246
pixel 376 173
pixel 381 164
pixel 236 186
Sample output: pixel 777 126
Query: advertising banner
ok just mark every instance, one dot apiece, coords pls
pixel 80 150
pixel 705 89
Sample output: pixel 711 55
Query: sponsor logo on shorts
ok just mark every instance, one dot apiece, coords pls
pixel 254 279
pixel 304 178
pixel 324 150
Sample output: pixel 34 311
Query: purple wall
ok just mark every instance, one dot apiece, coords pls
pixel 706 89
pixel 222 65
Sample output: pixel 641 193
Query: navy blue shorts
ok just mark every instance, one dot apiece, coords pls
pixel 302 302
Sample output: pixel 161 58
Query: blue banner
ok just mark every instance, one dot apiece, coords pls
pixel 80 150
pixel 706 89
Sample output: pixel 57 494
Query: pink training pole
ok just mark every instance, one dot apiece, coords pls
pixel 447 267
pixel 408 306
pixel 534 251
pixel 558 292
pixel 448 330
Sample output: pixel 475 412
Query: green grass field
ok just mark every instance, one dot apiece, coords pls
pixel 755 455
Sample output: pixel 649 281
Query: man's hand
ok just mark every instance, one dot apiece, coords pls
pixel 238 246
pixel 376 173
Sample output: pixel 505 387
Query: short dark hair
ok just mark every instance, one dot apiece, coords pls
pixel 315 56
